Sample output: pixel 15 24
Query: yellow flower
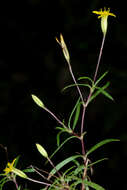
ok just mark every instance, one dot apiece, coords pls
pixel 9 167
pixel 104 17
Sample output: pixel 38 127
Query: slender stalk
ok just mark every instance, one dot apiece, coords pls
pixel 40 182
pixel 16 185
pixel 99 58
pixel 54 167
pixel 78 89
pixel 55 117
pixel 84 111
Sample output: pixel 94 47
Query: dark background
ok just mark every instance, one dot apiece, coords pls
pixel 31 62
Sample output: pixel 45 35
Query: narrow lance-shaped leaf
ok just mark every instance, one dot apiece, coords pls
pixel 88 184
pixel 72 85
pixel 93 185
pixel 63 163
pixel 102 76
pixel 61 145
pixel 85 78
pixel 101 90
pixel 76 116
pixel 98 145
pixel 70 118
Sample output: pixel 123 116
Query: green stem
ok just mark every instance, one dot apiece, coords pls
pixel 55 117
pixel 99 58
pixel 78 89
pixel 40 182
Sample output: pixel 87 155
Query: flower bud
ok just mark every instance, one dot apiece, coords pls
pixel 37 101
pixel 42 150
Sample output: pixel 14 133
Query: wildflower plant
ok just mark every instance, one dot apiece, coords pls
pixel 78 173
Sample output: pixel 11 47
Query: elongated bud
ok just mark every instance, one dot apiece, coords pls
pixel 19 173
pixel 37 101
pixel 64 48
pixel 42 150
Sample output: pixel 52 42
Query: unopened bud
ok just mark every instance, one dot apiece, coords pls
pixel 37 101
pixel 42 150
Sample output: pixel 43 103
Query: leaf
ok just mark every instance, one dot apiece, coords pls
pixel 63 163
pixel 58 137
pixel 93 185
pixel 105 93
pixel 98 145
pixel 19 188
pixel 96 162
pixel 37 101
pixel 70 118
pixel 101 90
pixel 85 78
pixel 62 145
pixel 29 170
pixel 16 161
pixel 88 183
pixel 101 78
pixel 77 113
pixel 72 85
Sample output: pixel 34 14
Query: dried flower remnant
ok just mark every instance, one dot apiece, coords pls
pixel 61 42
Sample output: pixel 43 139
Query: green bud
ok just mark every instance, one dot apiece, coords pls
pixel 37 101
pixel 42 150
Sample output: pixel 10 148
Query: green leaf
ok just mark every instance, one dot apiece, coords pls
pixel 98 145
pixel 70 118
pixel 37 101
pixel 101 78
pixel 29 170
pixel 3 181
pixel 77 113
pixel 72 85
pixel 69 138
pixel 58 137
pixel 19 188
pixel 16 161
pixel 85 78
pixel 96 162
pixel 101 90
pixel 63 163
pixel 93 185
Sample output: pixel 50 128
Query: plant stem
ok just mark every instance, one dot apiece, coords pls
pixel 56 118
pixel 54 167
pixel 99 58
pixel 40 182
pixel 71 72
pixel 84 111
pixel 15 182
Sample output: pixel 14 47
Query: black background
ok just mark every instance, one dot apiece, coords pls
pixel 31 62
